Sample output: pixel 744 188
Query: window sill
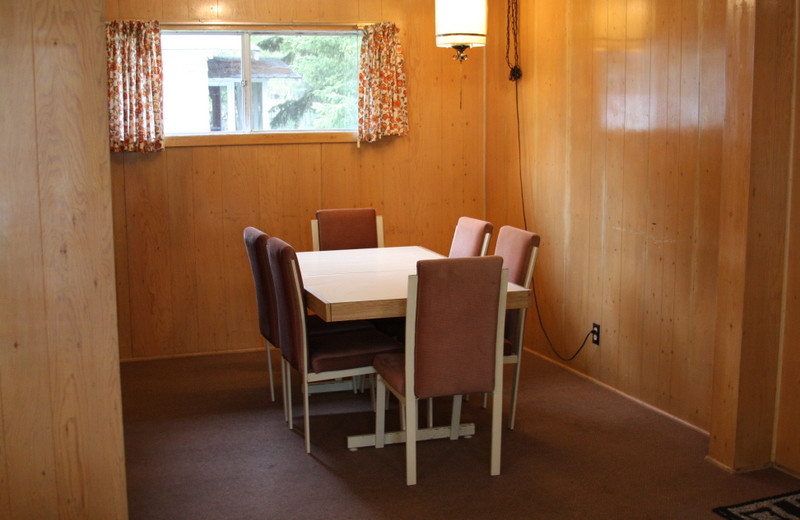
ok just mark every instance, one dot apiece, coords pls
pixel 177 141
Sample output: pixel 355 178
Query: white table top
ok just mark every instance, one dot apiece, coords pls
pixel 353 284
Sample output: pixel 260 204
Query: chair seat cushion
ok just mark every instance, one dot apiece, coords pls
pixel 391 367
pixel 348 350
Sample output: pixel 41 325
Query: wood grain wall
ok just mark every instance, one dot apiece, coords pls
pixel 621 164
pixel 787 446
pixel 61 450
pixel 621 118
pixel 182 274
pixel 618 161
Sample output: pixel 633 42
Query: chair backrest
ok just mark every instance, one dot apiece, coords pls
pixel 471 238
pixel 455 310
pixel 255 242
pixel 348 228
pixel 519 249
pixel 290 336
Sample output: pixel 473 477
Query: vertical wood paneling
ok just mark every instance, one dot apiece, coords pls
pixel 208 182
pixel 240 208
pixel 27 463
pixel 752 242
pixel 597 182
pixel 634 254
pixel 183 237
pixel 580 45
pixel 657 335
pixel 77 245
pixel 787 450
pixel 681 369
pixel 612 229
pixel 709 177
pixel 61 436
pixel 188 292
pixel 147 226
pixel 121 256
pixel 621 143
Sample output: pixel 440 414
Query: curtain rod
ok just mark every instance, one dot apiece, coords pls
pixel 200 22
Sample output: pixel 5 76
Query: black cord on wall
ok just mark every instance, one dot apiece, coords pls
pixel 515 74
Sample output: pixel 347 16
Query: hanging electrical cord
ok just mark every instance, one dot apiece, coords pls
pixel 512 40
pixel 544 331
pixel 515 73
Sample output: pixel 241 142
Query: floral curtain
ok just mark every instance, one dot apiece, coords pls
pixel 134 86
pixel 382 103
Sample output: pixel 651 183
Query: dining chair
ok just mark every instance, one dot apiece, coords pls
pixel 455 315
pixel 347 228
pixel 255 242
pixel 471 238
pixel 321 357
pixel 518 249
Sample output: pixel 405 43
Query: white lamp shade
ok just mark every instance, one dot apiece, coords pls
pixel 460 22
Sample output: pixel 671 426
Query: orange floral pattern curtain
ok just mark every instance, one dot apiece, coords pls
pixel 382 102
pixel 135 80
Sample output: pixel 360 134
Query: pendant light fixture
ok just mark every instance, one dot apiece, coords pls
pixel 460 24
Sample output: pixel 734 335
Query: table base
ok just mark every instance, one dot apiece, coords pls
pixel 424 434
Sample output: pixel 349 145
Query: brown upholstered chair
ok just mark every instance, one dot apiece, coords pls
pixel 519 249
pixel 349 228
pixel 255 242
pixel 321 357
pixel 454 345
pixel 471 238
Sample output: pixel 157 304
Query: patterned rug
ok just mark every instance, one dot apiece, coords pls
pixel 781 507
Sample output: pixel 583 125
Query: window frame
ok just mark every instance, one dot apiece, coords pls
pixel 260 137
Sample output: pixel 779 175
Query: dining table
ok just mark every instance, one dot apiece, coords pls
pixel 356 284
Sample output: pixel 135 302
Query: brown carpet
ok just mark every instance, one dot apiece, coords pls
pixel 203 441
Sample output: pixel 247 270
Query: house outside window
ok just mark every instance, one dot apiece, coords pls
pixel 290 81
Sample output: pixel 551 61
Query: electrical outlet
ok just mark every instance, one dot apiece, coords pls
pixel 596 333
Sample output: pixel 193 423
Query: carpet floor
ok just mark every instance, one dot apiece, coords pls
pixel 204 441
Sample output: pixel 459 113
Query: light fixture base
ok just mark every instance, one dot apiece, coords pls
pixel 461 52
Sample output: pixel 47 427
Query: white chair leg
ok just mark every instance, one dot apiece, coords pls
pixel 288 383
pixel 485 400
pixel 306 418
pixel 380 414
pixel 513 414
pixel 455 417
pixel 411 442
pixel 269 369
pixel 497 429
pixel 402 409
pixel 284 393
pixel 372 389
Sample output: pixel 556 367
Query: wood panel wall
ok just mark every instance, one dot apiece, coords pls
pixel 621 128
pixel 787 447
pixel 61 450
pixel 621 165
pixel 617 160
pixel 753 231
pixel 182 273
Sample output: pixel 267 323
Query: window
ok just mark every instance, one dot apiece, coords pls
pixel 288 81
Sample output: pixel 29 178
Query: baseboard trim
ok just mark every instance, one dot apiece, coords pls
pixel 191 354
